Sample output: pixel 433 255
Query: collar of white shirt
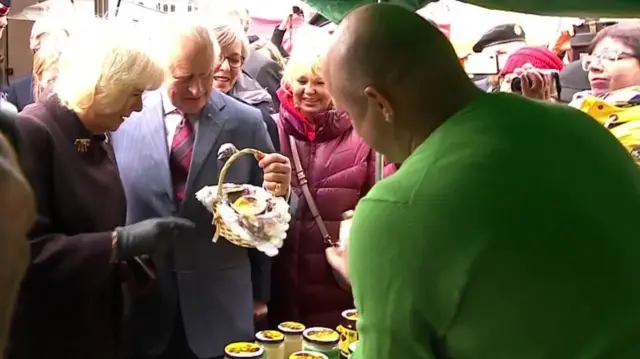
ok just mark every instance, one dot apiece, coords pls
pixel 167 106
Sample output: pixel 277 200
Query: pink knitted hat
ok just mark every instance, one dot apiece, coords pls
pixel 538 56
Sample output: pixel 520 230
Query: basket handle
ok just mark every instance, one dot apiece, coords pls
pixel 223 173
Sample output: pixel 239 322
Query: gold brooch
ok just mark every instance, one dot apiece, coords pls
pixel 82 144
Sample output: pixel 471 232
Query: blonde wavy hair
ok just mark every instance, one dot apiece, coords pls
pixel 312 44
pixel 267 47
pixel 102 66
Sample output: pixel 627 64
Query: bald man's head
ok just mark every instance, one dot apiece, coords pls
pixel 387 65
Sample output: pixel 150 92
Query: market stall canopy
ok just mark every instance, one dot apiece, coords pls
pixel 337 9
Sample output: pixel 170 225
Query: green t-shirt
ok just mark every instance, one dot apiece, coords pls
pixel 510 233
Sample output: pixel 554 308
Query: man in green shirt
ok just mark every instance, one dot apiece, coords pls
pixel 509 232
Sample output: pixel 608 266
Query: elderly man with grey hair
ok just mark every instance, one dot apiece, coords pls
pixel 207 293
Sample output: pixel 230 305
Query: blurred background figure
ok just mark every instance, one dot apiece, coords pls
pixel 613 59
pixel 5 6
pixel 260 66
pixel 230 79
pixel 269 49
pixel 285 35
pixel 573 79
pixel 536 69
pixel 501 41
pixel 45 66
pixel 613 67
pixel 47 28
pixel 17 212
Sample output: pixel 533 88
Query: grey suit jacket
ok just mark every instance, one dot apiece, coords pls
pixel 213 284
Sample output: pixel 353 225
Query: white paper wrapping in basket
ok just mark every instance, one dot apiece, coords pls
pixel 266 231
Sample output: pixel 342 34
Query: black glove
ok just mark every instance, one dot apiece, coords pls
pixel 150 236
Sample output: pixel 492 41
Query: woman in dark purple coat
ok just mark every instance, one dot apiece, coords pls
pixel 70 303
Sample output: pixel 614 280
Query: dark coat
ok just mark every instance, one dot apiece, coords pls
pixel 70 304
pixel 20 92
pixel 250 91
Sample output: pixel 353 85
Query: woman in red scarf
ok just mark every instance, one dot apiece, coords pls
pixel 339 169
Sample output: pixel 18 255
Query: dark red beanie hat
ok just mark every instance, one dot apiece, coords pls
pixel 538 56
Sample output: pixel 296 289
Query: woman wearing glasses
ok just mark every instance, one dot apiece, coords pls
pixel 613 66
pixel 230 79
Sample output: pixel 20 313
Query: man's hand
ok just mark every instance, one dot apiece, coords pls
pixel 277 174
pixel 259 309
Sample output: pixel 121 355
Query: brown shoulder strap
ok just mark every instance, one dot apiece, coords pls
pixel 302 179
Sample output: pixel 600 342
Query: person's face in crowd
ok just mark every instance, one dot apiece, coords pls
pixel 229 68
pixel 190 79
pixel 310 94
pixel 611 66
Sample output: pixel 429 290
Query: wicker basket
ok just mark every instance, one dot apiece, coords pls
pixel 222 230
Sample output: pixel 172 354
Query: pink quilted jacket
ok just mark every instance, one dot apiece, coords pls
pixel 340 169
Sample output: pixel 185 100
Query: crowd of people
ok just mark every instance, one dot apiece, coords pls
pixel 504 227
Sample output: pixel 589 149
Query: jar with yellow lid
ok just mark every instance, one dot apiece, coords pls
pixel 352 348
pixel 307 355
pixel 273 343
pixel 292 336
pixel 348 331
pixel 345 228
pixel 243 350
pixel 322 340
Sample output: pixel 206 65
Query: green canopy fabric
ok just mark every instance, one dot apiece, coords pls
pixel 335 10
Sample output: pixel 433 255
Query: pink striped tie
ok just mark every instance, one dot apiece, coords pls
pixel 180 158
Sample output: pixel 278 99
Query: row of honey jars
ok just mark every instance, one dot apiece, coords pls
pixel 348 331
pixel 246 350
pixel 293 337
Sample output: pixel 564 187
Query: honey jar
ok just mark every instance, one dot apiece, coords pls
pixel 348 331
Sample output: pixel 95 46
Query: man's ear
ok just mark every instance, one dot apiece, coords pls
pixel 381 101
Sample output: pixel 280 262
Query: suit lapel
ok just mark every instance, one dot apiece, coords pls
pixel 210 124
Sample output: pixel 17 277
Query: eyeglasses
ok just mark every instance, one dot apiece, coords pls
pixel 604 59
pixel 234 61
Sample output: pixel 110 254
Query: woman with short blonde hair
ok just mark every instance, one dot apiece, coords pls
pixel 106 74
pixel 81 248
pixel 307 284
